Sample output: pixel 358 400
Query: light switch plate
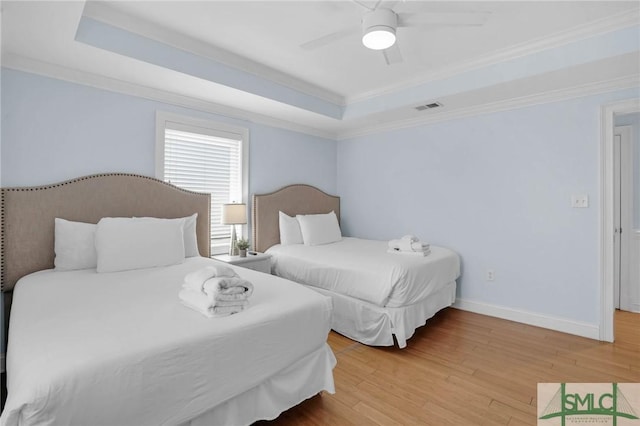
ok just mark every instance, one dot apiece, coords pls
pixel 579 201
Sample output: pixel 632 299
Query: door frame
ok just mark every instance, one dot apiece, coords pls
pixel 607 120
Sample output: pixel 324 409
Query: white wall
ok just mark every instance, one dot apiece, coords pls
pixel 54 130
pixel 496 188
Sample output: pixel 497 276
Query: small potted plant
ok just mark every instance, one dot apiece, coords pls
pixel 242 245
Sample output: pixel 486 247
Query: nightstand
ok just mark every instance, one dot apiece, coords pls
pixel 258 262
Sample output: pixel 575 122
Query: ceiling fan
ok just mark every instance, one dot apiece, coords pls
pixel 380 23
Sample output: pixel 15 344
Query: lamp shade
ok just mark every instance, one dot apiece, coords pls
pixel 234 214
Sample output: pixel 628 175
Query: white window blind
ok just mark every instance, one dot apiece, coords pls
pixel 202 160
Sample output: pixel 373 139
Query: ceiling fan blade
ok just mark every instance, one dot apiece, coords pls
pixel 442 19
pixel 388 4
pixel 392 55
pixel 328 39
pixel 363 4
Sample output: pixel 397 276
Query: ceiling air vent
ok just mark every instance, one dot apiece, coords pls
pixel 429 106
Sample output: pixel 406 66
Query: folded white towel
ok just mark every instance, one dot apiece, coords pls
pixel 200 302
pixel 231 297
pixel 410 253
pixel 196 279
pixel 408 243
pixel 231 303
pixel 419 246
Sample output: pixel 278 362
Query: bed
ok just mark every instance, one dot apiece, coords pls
pixel 377 296
pixel 119 348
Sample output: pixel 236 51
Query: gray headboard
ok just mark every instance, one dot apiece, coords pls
pixel 292 200
pixel 28 214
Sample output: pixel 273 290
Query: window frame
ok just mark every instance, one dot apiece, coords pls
pixel 211 128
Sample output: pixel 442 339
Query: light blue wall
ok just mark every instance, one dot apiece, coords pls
pixel 496 188
pixel 54 130
pixel 633 120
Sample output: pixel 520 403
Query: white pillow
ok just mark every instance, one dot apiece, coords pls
pixel 127 243
pixel 319 228
pixel 74 245
pixel 289 230
pixel 188 231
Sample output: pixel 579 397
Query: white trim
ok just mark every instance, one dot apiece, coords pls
pixel 100 11
pixel 211 127
pixel 563 325
pixel 581 32
pixel 607 115
pixel 498 106
pixel 22 63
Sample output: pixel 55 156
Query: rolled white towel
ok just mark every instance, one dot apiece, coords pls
pixel 411 238
pixel 228 286
pixel 401 245
pixel 196 301
pixel 195 280
pixel 405 245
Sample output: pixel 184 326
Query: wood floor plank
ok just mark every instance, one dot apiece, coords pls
pixel 464 368
pixel 376 416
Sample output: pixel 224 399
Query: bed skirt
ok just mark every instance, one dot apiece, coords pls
pixel 373 325
pixel 296 383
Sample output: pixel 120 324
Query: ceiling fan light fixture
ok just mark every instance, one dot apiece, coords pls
pixel 379 29
pixel 379 38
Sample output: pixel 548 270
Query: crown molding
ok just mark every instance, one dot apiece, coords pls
pixel 100 11
pixel 622 83
pixel 581 32
pixel 21 63
pixel 29 65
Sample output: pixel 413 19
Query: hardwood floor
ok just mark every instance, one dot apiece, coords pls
pixel 464 369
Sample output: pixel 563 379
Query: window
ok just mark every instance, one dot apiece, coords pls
pixel 205 156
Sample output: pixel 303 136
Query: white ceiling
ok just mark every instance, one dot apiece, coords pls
pixel 262 40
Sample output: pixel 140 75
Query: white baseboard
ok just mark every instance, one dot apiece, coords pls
pixel 564 325
pixel 635 307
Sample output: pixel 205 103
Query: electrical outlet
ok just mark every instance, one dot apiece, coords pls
pixel 579 201
pixel 491 275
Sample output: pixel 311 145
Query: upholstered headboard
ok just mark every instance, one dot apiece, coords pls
pixel 292 200
pixel 28 214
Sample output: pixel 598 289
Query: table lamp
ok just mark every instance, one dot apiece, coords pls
pixel 234 214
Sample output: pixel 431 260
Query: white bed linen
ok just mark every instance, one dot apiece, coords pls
pixel 120 348
pixel 376 326
pixel 363 269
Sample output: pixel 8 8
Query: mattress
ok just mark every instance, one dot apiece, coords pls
pixel 120 348
pixel 363 269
